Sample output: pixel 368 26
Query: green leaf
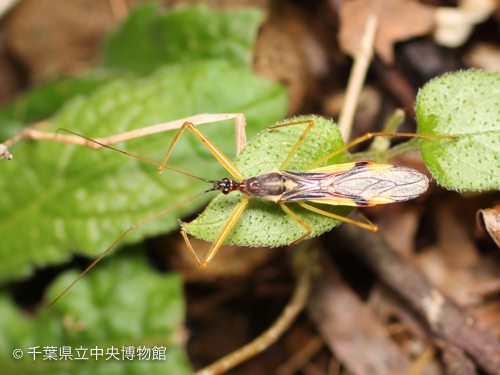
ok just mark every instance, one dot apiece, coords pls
pixel 149 39
pixel 264 223
pixel 107 308
pixel 59 198
pixel 466 105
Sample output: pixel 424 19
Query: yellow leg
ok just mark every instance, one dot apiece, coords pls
pixel 223 159
pixel 35 132
pixel 120 238
pixel 301 139
pixel 369 136
pixel 368 225
pixel 300 221
pixel 342 149
pixel 230 223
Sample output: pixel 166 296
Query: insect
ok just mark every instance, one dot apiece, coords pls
pixel 354 184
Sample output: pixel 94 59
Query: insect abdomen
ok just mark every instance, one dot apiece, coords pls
pixel 358 184
pixel 370 184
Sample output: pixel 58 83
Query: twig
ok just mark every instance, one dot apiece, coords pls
pixel 299 359
pixel 32 132
pixel 357 77
pixel 4 152
pixel 240 124
pixel 349 328
pixel 305 265
pixel 448 323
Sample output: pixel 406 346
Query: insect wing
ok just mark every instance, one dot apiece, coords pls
pixel 364 184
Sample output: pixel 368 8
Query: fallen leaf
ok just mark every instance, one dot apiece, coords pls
pixel 453 263
pixel 488 317
pixel 491 217
pixel 398 227
pixel 350 329
pixel 398 20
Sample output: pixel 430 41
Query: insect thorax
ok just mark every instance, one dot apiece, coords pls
pixel 269 186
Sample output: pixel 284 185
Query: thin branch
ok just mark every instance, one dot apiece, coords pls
pixel 305 265
pixel 448 322
pixel 302 357
pixel 33 132
pixel 357 77
pixel 240 124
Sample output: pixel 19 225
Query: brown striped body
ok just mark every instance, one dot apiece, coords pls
pixel 358 184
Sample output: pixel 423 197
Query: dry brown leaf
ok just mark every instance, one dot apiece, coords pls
pixel 398 227
pixel 455 265
pixel 488 317
pixel 351 330
pixel 491 217
pixel 398 20
pixel 63 43
pixel 452 264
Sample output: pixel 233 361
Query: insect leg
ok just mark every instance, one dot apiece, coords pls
pixel 301 139
pixel 230 223
pixel 120 238
pixel 300 221
pixel 240 123
pixel 369 136
pixel 34 132
pixel 368 225
pixel 223 159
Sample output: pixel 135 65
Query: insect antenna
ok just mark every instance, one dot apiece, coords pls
pixel 134 156
pixel 123 235
pixel 216 186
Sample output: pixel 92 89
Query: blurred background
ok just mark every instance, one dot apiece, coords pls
pixel 103 67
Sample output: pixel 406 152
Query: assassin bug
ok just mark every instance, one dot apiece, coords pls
pixel 354 184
